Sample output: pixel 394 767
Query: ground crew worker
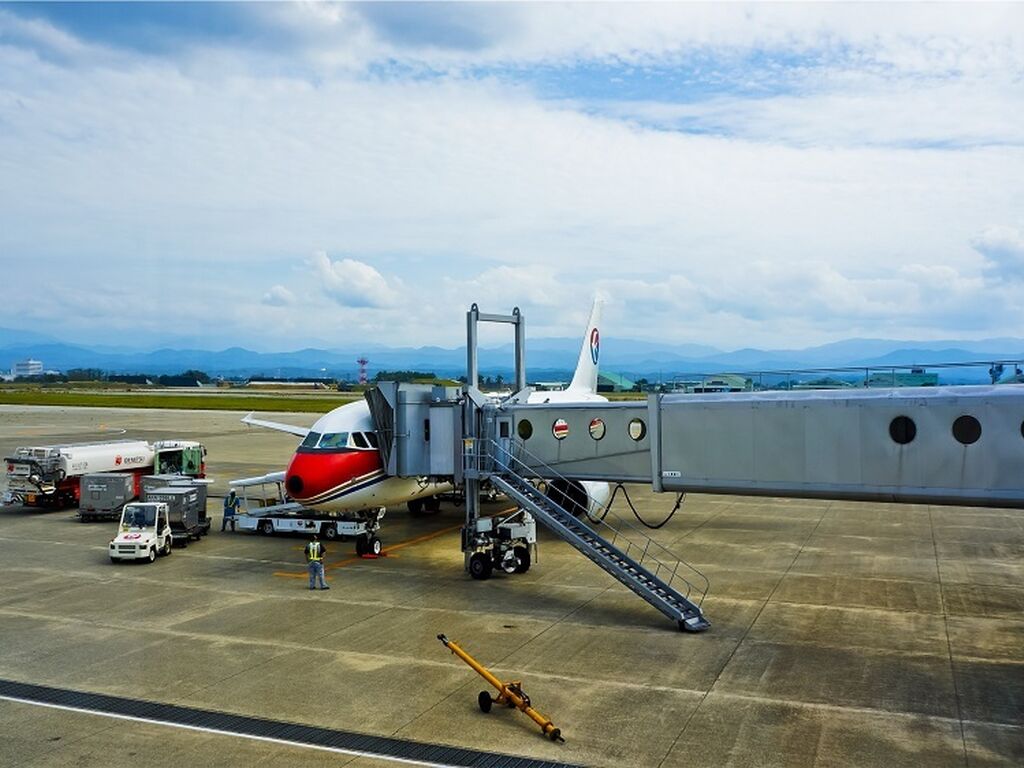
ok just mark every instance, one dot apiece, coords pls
pixel 315 553
pixel 231 504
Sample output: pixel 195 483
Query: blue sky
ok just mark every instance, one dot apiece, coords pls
pixel 285 175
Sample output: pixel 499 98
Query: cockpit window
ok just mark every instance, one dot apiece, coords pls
pixel 334 440
pixel 372 437
pixel 359 440
pixel 312 438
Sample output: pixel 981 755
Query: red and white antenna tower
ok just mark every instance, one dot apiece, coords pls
pixel 362 370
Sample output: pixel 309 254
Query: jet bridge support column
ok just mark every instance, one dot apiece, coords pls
pixel 473 318
pixel 478 425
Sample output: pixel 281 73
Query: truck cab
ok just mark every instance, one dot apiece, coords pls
pixel 144 533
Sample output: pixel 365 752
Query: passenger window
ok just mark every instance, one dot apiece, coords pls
pixel 359 440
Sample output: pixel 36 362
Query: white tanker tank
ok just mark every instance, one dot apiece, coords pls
pixel 50 475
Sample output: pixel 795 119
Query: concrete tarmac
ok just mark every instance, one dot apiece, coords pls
pixel 843 633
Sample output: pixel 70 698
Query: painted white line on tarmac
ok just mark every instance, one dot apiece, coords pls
pixel 219 732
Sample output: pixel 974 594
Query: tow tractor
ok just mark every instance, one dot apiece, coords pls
pixel 144 533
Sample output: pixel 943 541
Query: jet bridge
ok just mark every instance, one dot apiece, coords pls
pixel 931 445
pixel 939 445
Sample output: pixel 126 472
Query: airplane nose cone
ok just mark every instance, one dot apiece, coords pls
pixel 313 475
pixel 294 485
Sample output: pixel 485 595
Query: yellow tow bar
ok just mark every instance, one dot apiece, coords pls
pixel 509 694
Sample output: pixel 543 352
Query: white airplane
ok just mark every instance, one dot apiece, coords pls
pixel 337 468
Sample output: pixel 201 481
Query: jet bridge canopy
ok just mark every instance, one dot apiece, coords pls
pixel 938 445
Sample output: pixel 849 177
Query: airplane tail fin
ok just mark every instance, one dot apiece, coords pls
pixel 585 378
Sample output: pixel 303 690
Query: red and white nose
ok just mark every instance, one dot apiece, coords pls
pixel 315 475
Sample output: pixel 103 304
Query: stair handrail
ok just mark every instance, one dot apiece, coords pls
pixel 490 458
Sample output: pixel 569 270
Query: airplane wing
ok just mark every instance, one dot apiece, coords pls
pixel 300 431
pixel 245 482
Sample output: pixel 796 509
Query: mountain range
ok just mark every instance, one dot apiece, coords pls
pixel 547 358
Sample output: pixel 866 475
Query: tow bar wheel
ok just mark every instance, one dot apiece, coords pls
pixel 485 701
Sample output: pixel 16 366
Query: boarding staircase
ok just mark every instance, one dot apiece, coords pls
pixel 625 552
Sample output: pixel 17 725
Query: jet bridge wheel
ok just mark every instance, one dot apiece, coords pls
pixel 522 559
pixel 480 566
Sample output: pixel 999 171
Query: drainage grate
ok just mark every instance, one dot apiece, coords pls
pixel 260 728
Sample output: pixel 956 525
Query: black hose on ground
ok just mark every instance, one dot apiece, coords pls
pixel 629 501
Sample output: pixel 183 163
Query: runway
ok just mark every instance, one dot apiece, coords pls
pixel 843 633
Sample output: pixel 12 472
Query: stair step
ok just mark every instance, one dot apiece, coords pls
pixel 618 564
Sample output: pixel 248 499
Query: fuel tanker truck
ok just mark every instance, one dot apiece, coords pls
pixel 50 476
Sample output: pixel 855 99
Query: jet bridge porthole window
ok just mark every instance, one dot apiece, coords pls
pixel 597 428
pixel 637 430
pixel 560 429
pixel 967 430
pixel 525 429
pixel 902 430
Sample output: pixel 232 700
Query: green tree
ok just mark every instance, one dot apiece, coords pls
pixel 85 374
pixel 199 376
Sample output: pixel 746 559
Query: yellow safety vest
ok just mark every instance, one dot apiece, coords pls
pixel 315 552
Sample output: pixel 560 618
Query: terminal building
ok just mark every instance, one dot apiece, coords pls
pixel 27 367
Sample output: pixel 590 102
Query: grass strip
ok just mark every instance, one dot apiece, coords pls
pixel 211 402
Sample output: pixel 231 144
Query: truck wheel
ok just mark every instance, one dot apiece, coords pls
pixel 522 559
pixel 330 531
pixel 168 547
pixel 480 566
pixel 432 504
pixel 374 545
pixel 115 560
pixel 360 545
pixel 265 527
pixel 152 555
pixel 415 507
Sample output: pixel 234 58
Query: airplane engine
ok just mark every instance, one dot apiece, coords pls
pixel 580 496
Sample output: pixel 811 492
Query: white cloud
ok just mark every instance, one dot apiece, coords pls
pixel 908 38
pixel 353 283
pixel 279 296
pixel 1003 247
pixel 787 219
